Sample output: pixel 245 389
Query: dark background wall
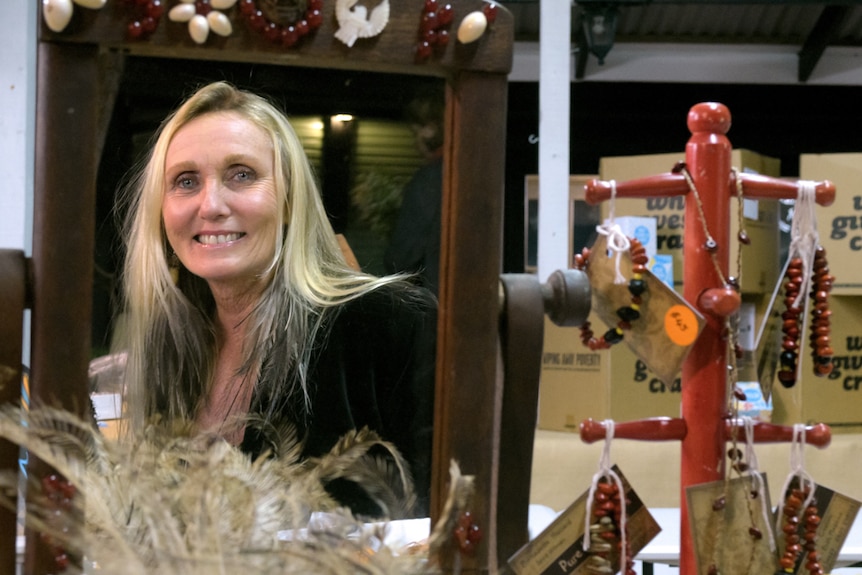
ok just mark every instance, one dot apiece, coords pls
pixel 620 119
pixel 607 119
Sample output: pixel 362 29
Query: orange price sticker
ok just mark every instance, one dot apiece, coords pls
pixel 680 324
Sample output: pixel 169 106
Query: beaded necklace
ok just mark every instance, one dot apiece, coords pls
pixel 741 465
pixel 606 519
pixel 799 517
pixel 807 271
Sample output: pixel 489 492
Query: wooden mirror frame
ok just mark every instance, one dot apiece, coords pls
pixel 77 80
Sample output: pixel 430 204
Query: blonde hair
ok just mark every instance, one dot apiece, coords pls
pixel 170 336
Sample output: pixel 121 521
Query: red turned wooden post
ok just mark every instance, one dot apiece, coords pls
pixel 707 156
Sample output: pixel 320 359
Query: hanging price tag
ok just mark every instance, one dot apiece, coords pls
pixel 728 529
pixel 559 549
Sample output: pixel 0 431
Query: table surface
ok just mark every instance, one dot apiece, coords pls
pixel 664 548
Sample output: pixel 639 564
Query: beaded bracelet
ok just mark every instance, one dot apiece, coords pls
pixel 627 314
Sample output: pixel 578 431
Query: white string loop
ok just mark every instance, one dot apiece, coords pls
pixel 803 234
pixel 617 241
pixel 797 470
pixel 606 472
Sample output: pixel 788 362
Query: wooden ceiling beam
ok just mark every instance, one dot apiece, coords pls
pixel 824 31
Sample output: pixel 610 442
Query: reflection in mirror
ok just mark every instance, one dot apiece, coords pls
pixel 368 145
pixel 359 130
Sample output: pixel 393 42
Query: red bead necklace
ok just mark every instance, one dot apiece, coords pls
pixel 627 314
pixel 287 34
pixel 820 340
pixel 800 535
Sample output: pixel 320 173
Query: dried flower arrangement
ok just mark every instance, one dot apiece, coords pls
pixel 173 503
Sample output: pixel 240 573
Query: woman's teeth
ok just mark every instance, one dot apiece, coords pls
pixel 210 239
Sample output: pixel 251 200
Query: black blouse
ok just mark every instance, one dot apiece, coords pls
pixel 375 369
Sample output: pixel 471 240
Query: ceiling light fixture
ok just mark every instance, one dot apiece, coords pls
pixel 600 26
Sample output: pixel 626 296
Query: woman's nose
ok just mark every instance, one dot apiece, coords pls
pixel 213 200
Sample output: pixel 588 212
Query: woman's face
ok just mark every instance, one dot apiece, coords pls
pixel 219 207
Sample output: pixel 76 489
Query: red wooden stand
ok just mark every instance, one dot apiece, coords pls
pixel 705 425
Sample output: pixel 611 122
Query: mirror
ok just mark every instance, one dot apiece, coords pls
pixel 79 73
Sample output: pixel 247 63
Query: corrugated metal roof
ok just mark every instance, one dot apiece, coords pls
pixel 810 25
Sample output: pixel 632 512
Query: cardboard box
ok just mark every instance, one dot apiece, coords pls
pixel 761 217
pixel 577 384
pixel 836 399
pixel 573 381
pixel 840 225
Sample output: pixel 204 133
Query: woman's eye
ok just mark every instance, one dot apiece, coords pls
pixel 184 182
pixel 241 174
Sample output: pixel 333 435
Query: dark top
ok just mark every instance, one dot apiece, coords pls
pixel 376 370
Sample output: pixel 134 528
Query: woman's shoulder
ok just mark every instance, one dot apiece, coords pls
pixel 398 298
pixel 394 312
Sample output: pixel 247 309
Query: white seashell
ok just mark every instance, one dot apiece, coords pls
pixel 91 4
pixel 222 4
pixel 219 23
pixel 199 28
pixel 181 13
pixel 472 27
pixel 57 14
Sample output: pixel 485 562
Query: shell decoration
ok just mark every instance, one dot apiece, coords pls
pixel 472 27
pixel 58 13
pixel 200 25
pixel 354 21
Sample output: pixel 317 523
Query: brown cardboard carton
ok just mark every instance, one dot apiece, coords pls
pixel 760 217
pixel 636 392
pixel 574 380
pixel 840 225
pixel 577 384
pixel 837 398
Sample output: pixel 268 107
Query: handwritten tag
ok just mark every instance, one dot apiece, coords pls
pixel 680 324
pixel 667 327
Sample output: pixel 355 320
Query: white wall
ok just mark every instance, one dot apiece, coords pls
pixel 17 120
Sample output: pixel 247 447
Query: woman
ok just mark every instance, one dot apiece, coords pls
pixel 240 305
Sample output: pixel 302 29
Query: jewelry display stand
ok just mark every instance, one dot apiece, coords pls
pixel 705 426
